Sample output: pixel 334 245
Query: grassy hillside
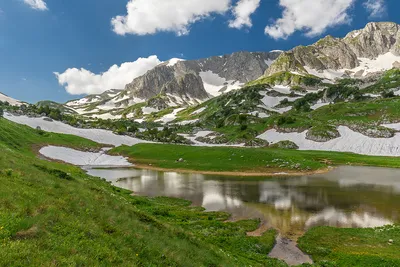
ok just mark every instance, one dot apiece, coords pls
pixel 353 247
pixel 256 160
pixel 54 214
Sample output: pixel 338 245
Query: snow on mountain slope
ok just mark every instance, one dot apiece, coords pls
pixel 170 117
pixel 215 85
pixel 367 66
pixel 97 135
pixel 350 141
pixel 10 100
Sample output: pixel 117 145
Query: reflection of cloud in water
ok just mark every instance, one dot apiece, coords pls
pixel 348 176
pixel 215 200
pixel 283 203
pixel 336 218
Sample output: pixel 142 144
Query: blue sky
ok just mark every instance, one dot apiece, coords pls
pixel 37 40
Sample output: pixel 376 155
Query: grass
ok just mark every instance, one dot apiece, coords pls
pixel 353 247
pixel 227 159
pixel 54 214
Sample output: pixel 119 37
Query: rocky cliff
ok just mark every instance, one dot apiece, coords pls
pixel 374 48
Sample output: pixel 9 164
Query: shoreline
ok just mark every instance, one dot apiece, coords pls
pixel 228 173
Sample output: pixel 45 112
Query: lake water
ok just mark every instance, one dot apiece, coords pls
pixel 344 197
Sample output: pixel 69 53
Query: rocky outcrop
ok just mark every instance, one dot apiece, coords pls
pixel 285 145
pixel 341 53
pixel 373 131
pixel 322 134
pixel 256 142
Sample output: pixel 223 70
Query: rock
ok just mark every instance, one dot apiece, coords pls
pixel 47 119
pixel 396 65
pixel 373 131
pixel 391 241
pixel 256 142
pixel 285 145
pixel 322 134
pixel 38 128
pixel 180 160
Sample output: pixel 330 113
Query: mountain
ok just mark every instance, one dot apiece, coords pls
pixel 372 49
pixel 181 83
pixel 11 101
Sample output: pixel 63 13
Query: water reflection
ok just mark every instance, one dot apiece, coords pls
pixel 345 197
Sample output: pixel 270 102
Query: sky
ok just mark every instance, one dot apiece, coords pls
pixel 61 50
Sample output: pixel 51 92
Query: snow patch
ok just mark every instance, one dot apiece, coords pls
pixel 81 158
pixel 213 83
pixel 96 135
pixel 350 141
pixel 10 100
pixel 381 63
pixel 149 110
pixel 170 117
pixel 200 110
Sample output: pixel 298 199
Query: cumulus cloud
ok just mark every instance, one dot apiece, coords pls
pixel 151 16
pixel 82 81
pixel 36 4
pixel 242 12
pixel 376 8
pixel 311 16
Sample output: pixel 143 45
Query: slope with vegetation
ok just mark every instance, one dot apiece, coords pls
pixel 54 214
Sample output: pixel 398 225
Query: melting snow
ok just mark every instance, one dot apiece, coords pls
pixel 319 105
pixel 170 117
pixel 10 100
pixel 350 141
pixel 200 110
pixel 81 158
pixel 213 83
pixel 97 135
pixel 381 63
pixel 148 110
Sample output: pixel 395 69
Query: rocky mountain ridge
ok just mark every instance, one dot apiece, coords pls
pixel 360 52
pixel 182 83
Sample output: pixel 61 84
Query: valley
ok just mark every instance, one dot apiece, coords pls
pixel 223 161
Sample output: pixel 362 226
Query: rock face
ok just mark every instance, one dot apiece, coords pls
pixel 181 83
pixel 341 53
pixel 200 79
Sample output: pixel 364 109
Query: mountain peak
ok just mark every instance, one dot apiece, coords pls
pixel 374 48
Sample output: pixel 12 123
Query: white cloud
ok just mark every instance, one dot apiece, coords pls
pixel 376 8
pixel 312 16
pixel 36 4
pixel 151 16
pixel 242 12
pixel 82 81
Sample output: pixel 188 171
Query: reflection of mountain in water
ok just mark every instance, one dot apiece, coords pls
pixel 339 198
